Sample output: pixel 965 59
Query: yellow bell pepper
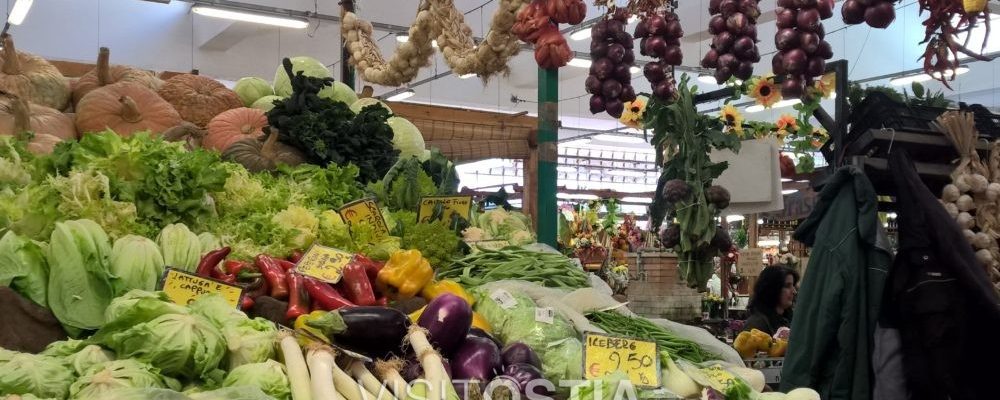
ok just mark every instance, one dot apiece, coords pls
pixel 745 345
pixel 477 320
pixel 761 340
pixel 437 288
pixel 301 327
pixel 404 275
pixel 778 348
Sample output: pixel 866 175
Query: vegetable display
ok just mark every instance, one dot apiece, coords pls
pixel 105 73
pixel 640 327
pixel 553 270
pixel 734 44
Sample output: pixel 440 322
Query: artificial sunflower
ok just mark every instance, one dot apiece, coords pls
pixel 732 118
pixel 765 92
pixel 785 125
pixel 819 137
pixel 826 85
pixel 634 110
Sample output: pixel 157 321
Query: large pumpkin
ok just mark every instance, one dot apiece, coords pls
pixel 32 78
pixel 106 74
pixel 17 116
pixel 125 108
pixel 263 154
pixel 234 125
pixel 198 99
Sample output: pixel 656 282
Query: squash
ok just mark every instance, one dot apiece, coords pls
pixel 233 125
pixel 32 78
pixel 17 116
pixel 263 155
pixel 105 74
pixel 125 108
pixel 42 144
pixel 186 132
pixel 197 98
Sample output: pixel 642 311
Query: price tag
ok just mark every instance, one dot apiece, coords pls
pixel 504 299
pixel 545 315
pixel 365 211
pixel 323 263
pixel 461 205
pixel 639 359
pixel 481 245
pixel 183 287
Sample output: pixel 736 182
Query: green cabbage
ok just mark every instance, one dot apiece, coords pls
pixel 611 388
pixel 145 394
pixel 98 381
pixel 339 91
pixel 307 65
pixel 406 137
pixel 265 103
pixel 357 106
pixel 209 242
pixel 23 267
pixel 80 283
pixel 42 376
pixel 63 348
pixel 137 262
pixel 269 376
pixel 180 247
pixel 247 340
pixel 233 393
pixel 140 302
pixel 28 396
pixel 87 357
pixel 250 89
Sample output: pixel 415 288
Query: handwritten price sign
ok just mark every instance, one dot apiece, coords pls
pixel 442 207
pixel 365 211
pixel 323 263
pixel 182 287
pixel 603 355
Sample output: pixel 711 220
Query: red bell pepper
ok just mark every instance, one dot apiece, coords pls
pixel 285 264
pixel 275 276
pixel 246 303
pixel 355 284
pixel 372 267
pixel 325 295
pixel 210 260
pixel 296 256
pixel 298 300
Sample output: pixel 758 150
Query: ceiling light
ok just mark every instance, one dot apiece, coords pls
pixel 467 76
pixel 402 95
pixel 734 218
pixel 402 37
pixel 580 34
pixel 577 142
pixel 789 191
pixel 625 172
pixel 760 221
pixel 645 200
pixel 619 138
pixel 19 11
pixel 214 12
pixel 579 62
pixel 577 196
pixel 909 79
pixel 786 179
pixel 634 70
pixel 706 78
pixel 948 73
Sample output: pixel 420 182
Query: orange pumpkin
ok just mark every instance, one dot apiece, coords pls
pixel 125 108
pixel 234 125
pixel 197 98
pixel 17 116
pixel 32 78
pixel 42 144
pixel 105 74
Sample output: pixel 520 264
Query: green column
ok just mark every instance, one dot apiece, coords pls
pixel 548 134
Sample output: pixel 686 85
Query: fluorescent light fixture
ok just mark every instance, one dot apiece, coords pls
pixel 619 138
pixel 909 79
pixel 19 11
pixel 645 200
pixel 625 172
pixel 467 76
pixel 579 62
pixel 214 12
pixel 789 191
pixel 948 73
pixel 786 179
pixel 734 218
pixel 580 34
pixel 577 142
pixel 705 78
pixel 634 70
pixel 402 95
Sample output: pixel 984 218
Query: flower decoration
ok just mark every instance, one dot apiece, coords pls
pixel 819 136
pixel 732 118
pixel 826 85
pixel 634 110
pixel 785 125
pixel 764 91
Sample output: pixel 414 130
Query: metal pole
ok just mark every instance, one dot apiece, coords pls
pixel 548 154
pixel 346 69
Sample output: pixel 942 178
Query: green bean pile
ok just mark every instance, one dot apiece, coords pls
pixel 641 328
pixel 547 269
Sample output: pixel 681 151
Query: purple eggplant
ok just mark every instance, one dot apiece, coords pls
pixel 477 358
pixel 481 333
pixel 524 377
pixel 412 369
pixel 447 319
pixel 519 353
pixel 374 331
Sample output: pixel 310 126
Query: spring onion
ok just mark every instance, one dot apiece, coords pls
pixel 298 373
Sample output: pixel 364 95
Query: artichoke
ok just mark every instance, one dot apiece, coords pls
pixel 717 196
pixel 670 236
pixel 676 190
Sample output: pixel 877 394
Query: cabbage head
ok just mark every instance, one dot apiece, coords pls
pixel 250 89
pixel 140 302
pixel 265 103
pixel 363 102
pixel 180 247
pixel 87 357
pixel 42 376
pixel 63 348
pixel 307 65
pixel 177 344
pixel 247 340
pixel 339 91
pixel 101 379
pixel 232 393
pixel 406 137
pixel 80 281
pixel 137 263
pixel 145 394
pixel 269 376
pixel 23 267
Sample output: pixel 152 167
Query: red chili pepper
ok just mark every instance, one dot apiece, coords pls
pixel 285 264
pixel 325 295
pixel 355 284
pixel 382 301
pixel 246 303
pixel 210 260
pixel 371 267
pixel 235 266
pixel 274 274
pixel 223 276
pixel 296 256
pixel 298 300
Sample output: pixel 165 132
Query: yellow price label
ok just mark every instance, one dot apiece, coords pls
pixel 365 211
pixel 460 205
pixel 323 263
pixel 183 287
pixel 603 355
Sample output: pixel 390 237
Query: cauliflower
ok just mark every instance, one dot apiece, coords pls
pixel 474 234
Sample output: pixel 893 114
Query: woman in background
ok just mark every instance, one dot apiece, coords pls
pixel 770 306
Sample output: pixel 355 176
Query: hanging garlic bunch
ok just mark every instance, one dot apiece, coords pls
pixel 973 196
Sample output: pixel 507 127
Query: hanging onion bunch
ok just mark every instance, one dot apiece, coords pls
pixel 802 50
pixel 537 23
pixel 660 33
pixel 875 13
pixel 610 80
pixel 945 20
pixel 734 45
